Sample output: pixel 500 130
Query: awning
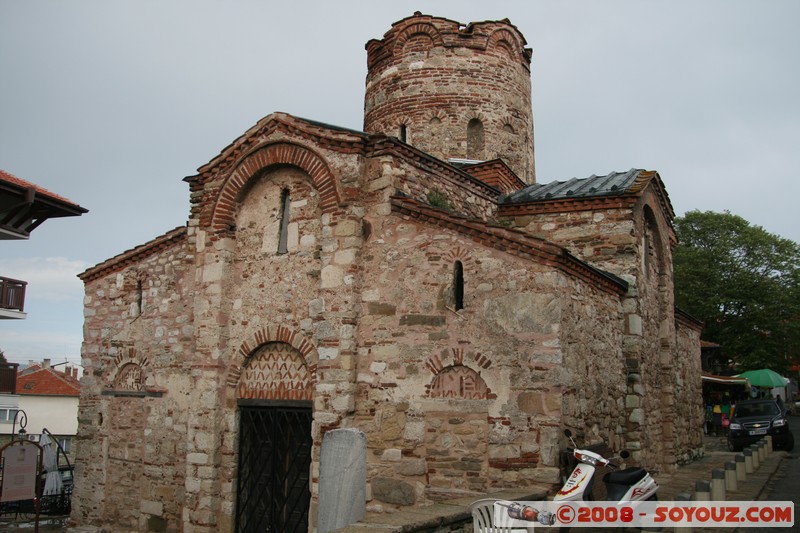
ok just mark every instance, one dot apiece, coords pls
pixel 725 380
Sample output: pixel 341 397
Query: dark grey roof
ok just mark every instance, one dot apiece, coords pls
pixel 613 184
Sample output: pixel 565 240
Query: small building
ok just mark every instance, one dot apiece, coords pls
pixel 49 398
pixel 413 282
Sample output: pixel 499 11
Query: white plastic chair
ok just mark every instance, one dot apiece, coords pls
pixel 484 519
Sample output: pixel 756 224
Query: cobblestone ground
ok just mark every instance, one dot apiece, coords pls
pixel 715 443
pixel 24 524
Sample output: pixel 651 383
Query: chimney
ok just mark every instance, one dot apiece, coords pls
pixel 45 363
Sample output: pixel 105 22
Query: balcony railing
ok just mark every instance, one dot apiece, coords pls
pixel 8 378
pixel 12 294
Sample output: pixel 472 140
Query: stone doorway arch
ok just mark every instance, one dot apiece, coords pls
pixel 274 392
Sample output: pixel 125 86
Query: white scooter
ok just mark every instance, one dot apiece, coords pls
pixel 627 485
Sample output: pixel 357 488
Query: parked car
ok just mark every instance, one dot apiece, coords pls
pixel 752 420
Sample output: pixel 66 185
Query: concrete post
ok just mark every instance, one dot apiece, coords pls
pixel 718 485
pixel 748 460
pixel 754 455
pixel 762 450
pixel 731 484
pixel 770 449
pixel 702 491
pixel 683 497
pixel 741 473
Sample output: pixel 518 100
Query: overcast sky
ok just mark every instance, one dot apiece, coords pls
pixel 111 103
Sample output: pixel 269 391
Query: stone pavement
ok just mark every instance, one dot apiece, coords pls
pixel 716 455
pixel 753 488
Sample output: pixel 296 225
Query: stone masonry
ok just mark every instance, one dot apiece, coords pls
pixel 369 280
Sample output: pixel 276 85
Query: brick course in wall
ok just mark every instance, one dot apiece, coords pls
pixel 432 76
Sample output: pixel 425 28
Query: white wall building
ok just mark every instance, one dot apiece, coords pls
pixel 49 398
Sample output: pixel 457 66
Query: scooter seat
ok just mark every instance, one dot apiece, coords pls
pixel 628 477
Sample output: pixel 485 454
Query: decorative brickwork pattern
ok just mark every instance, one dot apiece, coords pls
pixel 129 378
pixel 275 372
pixel 481 70
pixel 260 345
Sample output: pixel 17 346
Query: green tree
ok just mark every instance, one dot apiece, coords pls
pixel 744 282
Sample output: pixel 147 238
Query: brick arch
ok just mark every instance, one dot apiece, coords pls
pixel 127 364
pixel 435 114
pixel 281 153
pixel 267 335
pixel 460 253
pixel 650 222
pixel 504 40
pixel 420 28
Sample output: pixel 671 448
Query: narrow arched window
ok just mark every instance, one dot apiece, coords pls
pixel 283 237
pixel 458 285
pixel 475 139
pixel 403 132
pixel 139 298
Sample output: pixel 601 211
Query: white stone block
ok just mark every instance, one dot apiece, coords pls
pixel 392 454
pixel 151 507
pixel 332 276
pixel 635 325
pixel 328 353
pixel 197 458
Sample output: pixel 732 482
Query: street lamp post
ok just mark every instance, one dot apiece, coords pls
pixel 23 422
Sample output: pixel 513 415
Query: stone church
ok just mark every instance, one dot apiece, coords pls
pixel 414 282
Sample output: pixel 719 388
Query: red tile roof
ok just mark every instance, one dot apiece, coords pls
pixel 12 179
pixel 46 382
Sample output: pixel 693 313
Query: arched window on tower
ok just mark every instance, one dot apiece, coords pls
pixel 403 133
pixel 475 143
pixel 283 237
pixel 458 286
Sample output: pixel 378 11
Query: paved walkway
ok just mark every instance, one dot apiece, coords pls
pixel 683 481
pixel 753 488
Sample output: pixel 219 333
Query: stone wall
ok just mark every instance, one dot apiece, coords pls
pixel 594 370
pixel 251 293
pixel 605 237
pixel 453 91
pixel 632 239
pixel 134 405
pixel 428 181
pixel 456 401
pixel 689 414
pixel 460 348
pixel 460 357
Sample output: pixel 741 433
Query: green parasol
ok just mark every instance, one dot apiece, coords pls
pixel 763 377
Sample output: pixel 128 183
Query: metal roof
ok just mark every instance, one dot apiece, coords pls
pixel 613 184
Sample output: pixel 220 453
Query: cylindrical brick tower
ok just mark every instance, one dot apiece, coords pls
pixel 453 91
